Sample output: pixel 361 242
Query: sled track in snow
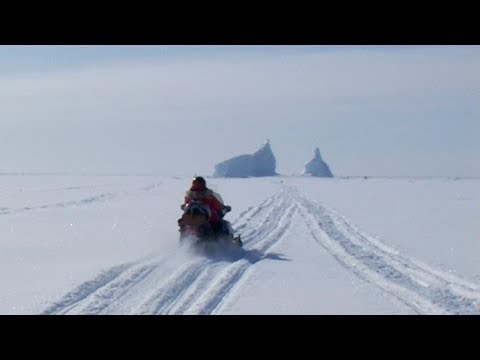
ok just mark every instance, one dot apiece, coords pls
pixel 103 197
pixel 424 289
pixel 93 296
pixel 85 201
pixel 204 284
pixel 200 286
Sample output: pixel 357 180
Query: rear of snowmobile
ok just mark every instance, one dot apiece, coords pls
pixel 195 228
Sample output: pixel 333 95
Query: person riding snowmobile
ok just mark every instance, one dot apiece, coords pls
pixel 200 192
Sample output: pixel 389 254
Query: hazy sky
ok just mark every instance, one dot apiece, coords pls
pixel 178 110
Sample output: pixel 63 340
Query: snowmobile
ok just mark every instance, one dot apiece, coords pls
pixel 194 225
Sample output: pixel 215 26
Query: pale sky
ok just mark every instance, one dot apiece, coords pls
pixel 179 110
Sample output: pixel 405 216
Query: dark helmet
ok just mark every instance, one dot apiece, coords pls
pixel 198 183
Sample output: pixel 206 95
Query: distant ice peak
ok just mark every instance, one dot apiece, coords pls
pixel 261 163
pixel 316 166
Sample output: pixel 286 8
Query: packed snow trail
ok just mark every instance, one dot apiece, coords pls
pixel 198 286
pixel 202 283
pixel 89 200
pixel 422 288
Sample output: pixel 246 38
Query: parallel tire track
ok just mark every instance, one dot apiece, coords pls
pixel 100 198
pixel 425 290
pixel 207 282
pixel 198 286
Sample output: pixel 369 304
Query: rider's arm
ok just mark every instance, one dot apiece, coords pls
pixel 216 205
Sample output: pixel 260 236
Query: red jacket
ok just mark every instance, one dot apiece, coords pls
pixel 208 198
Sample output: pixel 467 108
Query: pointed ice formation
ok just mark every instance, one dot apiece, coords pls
pixel 264 162
pixel 317 167
pixel 261 163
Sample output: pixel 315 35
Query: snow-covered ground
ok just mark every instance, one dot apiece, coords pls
pixel 109 245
